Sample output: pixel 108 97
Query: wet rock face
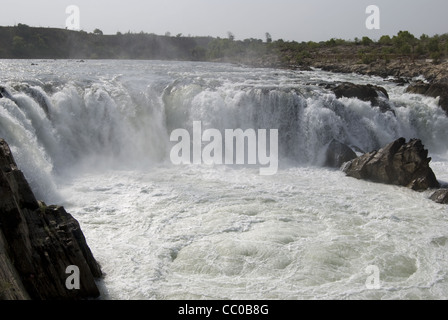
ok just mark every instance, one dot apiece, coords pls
pixel 38 243
pixel 398 163
pixel 337 154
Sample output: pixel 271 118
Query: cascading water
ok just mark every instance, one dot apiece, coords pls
pixel 95 137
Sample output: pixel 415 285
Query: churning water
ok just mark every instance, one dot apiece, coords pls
pixel 95 137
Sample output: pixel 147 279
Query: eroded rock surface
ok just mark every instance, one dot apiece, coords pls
pixel 38 243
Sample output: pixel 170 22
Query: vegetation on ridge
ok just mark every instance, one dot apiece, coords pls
pixel 23 41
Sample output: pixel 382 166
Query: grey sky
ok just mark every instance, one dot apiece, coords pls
pixel 298 20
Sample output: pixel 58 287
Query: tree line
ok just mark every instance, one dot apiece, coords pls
pixel 27 42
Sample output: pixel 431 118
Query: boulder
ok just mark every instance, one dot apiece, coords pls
pixel 440 196
pixel 398 163
pixel 337 154
pixel 38 243
pixel 432 90
pixel 363 92
pixel 369 93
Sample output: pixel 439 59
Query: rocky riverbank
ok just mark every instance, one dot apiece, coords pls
pixel 40 246
pixel 402 69
pixel 398 163
pixel 402 72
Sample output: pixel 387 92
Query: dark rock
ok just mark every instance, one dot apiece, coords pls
pixel 5 93
pixel 38 243
pixel 418 87
pixel 369 93
pixel 11 286
pixel 440 196
pixel 400 81
pixel 398 163
pixel 363 92
pixel 432 90
pixel 337 154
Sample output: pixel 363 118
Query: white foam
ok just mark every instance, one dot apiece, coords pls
pixel 218 233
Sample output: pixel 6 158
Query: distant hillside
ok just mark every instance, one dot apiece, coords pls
pixel 24 42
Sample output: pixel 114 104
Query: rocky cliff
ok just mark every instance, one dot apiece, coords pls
pixel 38 243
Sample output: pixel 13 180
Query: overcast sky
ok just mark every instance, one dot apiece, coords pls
pixel 299 20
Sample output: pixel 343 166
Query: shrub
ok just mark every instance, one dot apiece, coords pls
pixel 435 56
pixel 366 41
pixel 385 40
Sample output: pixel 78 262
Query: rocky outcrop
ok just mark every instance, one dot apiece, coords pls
pixel 440 196
pixel 432 90
pixel 337 154
pixel 398 163
pixel 38 243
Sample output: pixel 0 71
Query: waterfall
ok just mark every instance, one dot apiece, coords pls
pixel 98 133
pixel 56 127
